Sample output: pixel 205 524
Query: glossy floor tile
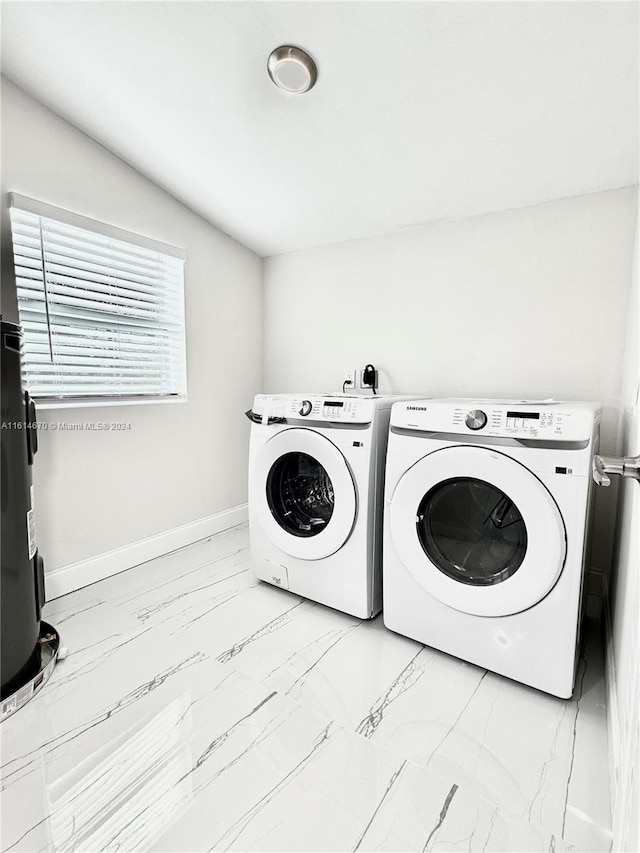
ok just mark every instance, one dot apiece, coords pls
pixel 201 710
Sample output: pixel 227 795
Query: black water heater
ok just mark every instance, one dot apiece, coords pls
pixel 22 581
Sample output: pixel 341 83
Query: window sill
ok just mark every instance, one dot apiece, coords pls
pixel 45 404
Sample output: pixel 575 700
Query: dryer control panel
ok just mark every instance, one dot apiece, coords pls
pixel 517 423
pixel 541 420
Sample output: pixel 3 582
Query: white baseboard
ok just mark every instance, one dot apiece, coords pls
pixel 61 581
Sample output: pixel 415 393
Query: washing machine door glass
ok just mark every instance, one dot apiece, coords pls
pixel 302 493
pixel 472 531
pixel 478 530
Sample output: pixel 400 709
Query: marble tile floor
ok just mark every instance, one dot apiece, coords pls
pixel 199 709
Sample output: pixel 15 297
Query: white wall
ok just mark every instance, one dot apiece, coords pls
pixel 624 653
pixel 180 462
pixel 525 303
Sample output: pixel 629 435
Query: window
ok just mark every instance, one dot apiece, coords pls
pixel 102 310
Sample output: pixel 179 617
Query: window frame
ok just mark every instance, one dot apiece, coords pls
pixel 30 206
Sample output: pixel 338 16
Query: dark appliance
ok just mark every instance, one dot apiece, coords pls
pixel 22 581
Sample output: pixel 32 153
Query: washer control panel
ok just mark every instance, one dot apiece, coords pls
pixel 345 409
pixel 311 407
pixel 542 420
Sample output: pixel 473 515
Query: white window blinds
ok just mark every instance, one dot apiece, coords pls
pixel 102 310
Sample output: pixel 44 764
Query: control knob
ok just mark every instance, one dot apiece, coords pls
pixel 476 419
pixel 305 407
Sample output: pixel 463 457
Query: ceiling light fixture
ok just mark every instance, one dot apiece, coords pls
pixel 292 69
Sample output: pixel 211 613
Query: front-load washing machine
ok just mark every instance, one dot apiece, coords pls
pixel 487 509
pixel 316 474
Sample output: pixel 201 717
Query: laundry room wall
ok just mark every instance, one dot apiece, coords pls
pixel 623 652
pixel 180 462
pixel 527 303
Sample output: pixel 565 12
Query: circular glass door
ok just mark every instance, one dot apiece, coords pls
pixel 477 530
pixel 302 493
pixel 471 531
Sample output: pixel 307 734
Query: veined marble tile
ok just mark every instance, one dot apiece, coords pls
pixel 207 601
pixel 87 629
pixel 68 606
pixel 330 790
pixel 75 719
pixel 587 818
pixel 360 674
pixel 423 812
pixel 506 742
pixel 192 598
pixel 167 752
pixel 517 747
pixel 111 764
pixel 221 614
pixel 201 709
pixel 194 571
pixel 166 577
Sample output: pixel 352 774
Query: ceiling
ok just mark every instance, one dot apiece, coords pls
pixel 422 110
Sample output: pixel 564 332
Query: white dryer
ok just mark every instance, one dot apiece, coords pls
pixel 487 510
pixel 316 474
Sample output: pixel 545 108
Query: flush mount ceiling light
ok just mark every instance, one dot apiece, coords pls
pixel 292 69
